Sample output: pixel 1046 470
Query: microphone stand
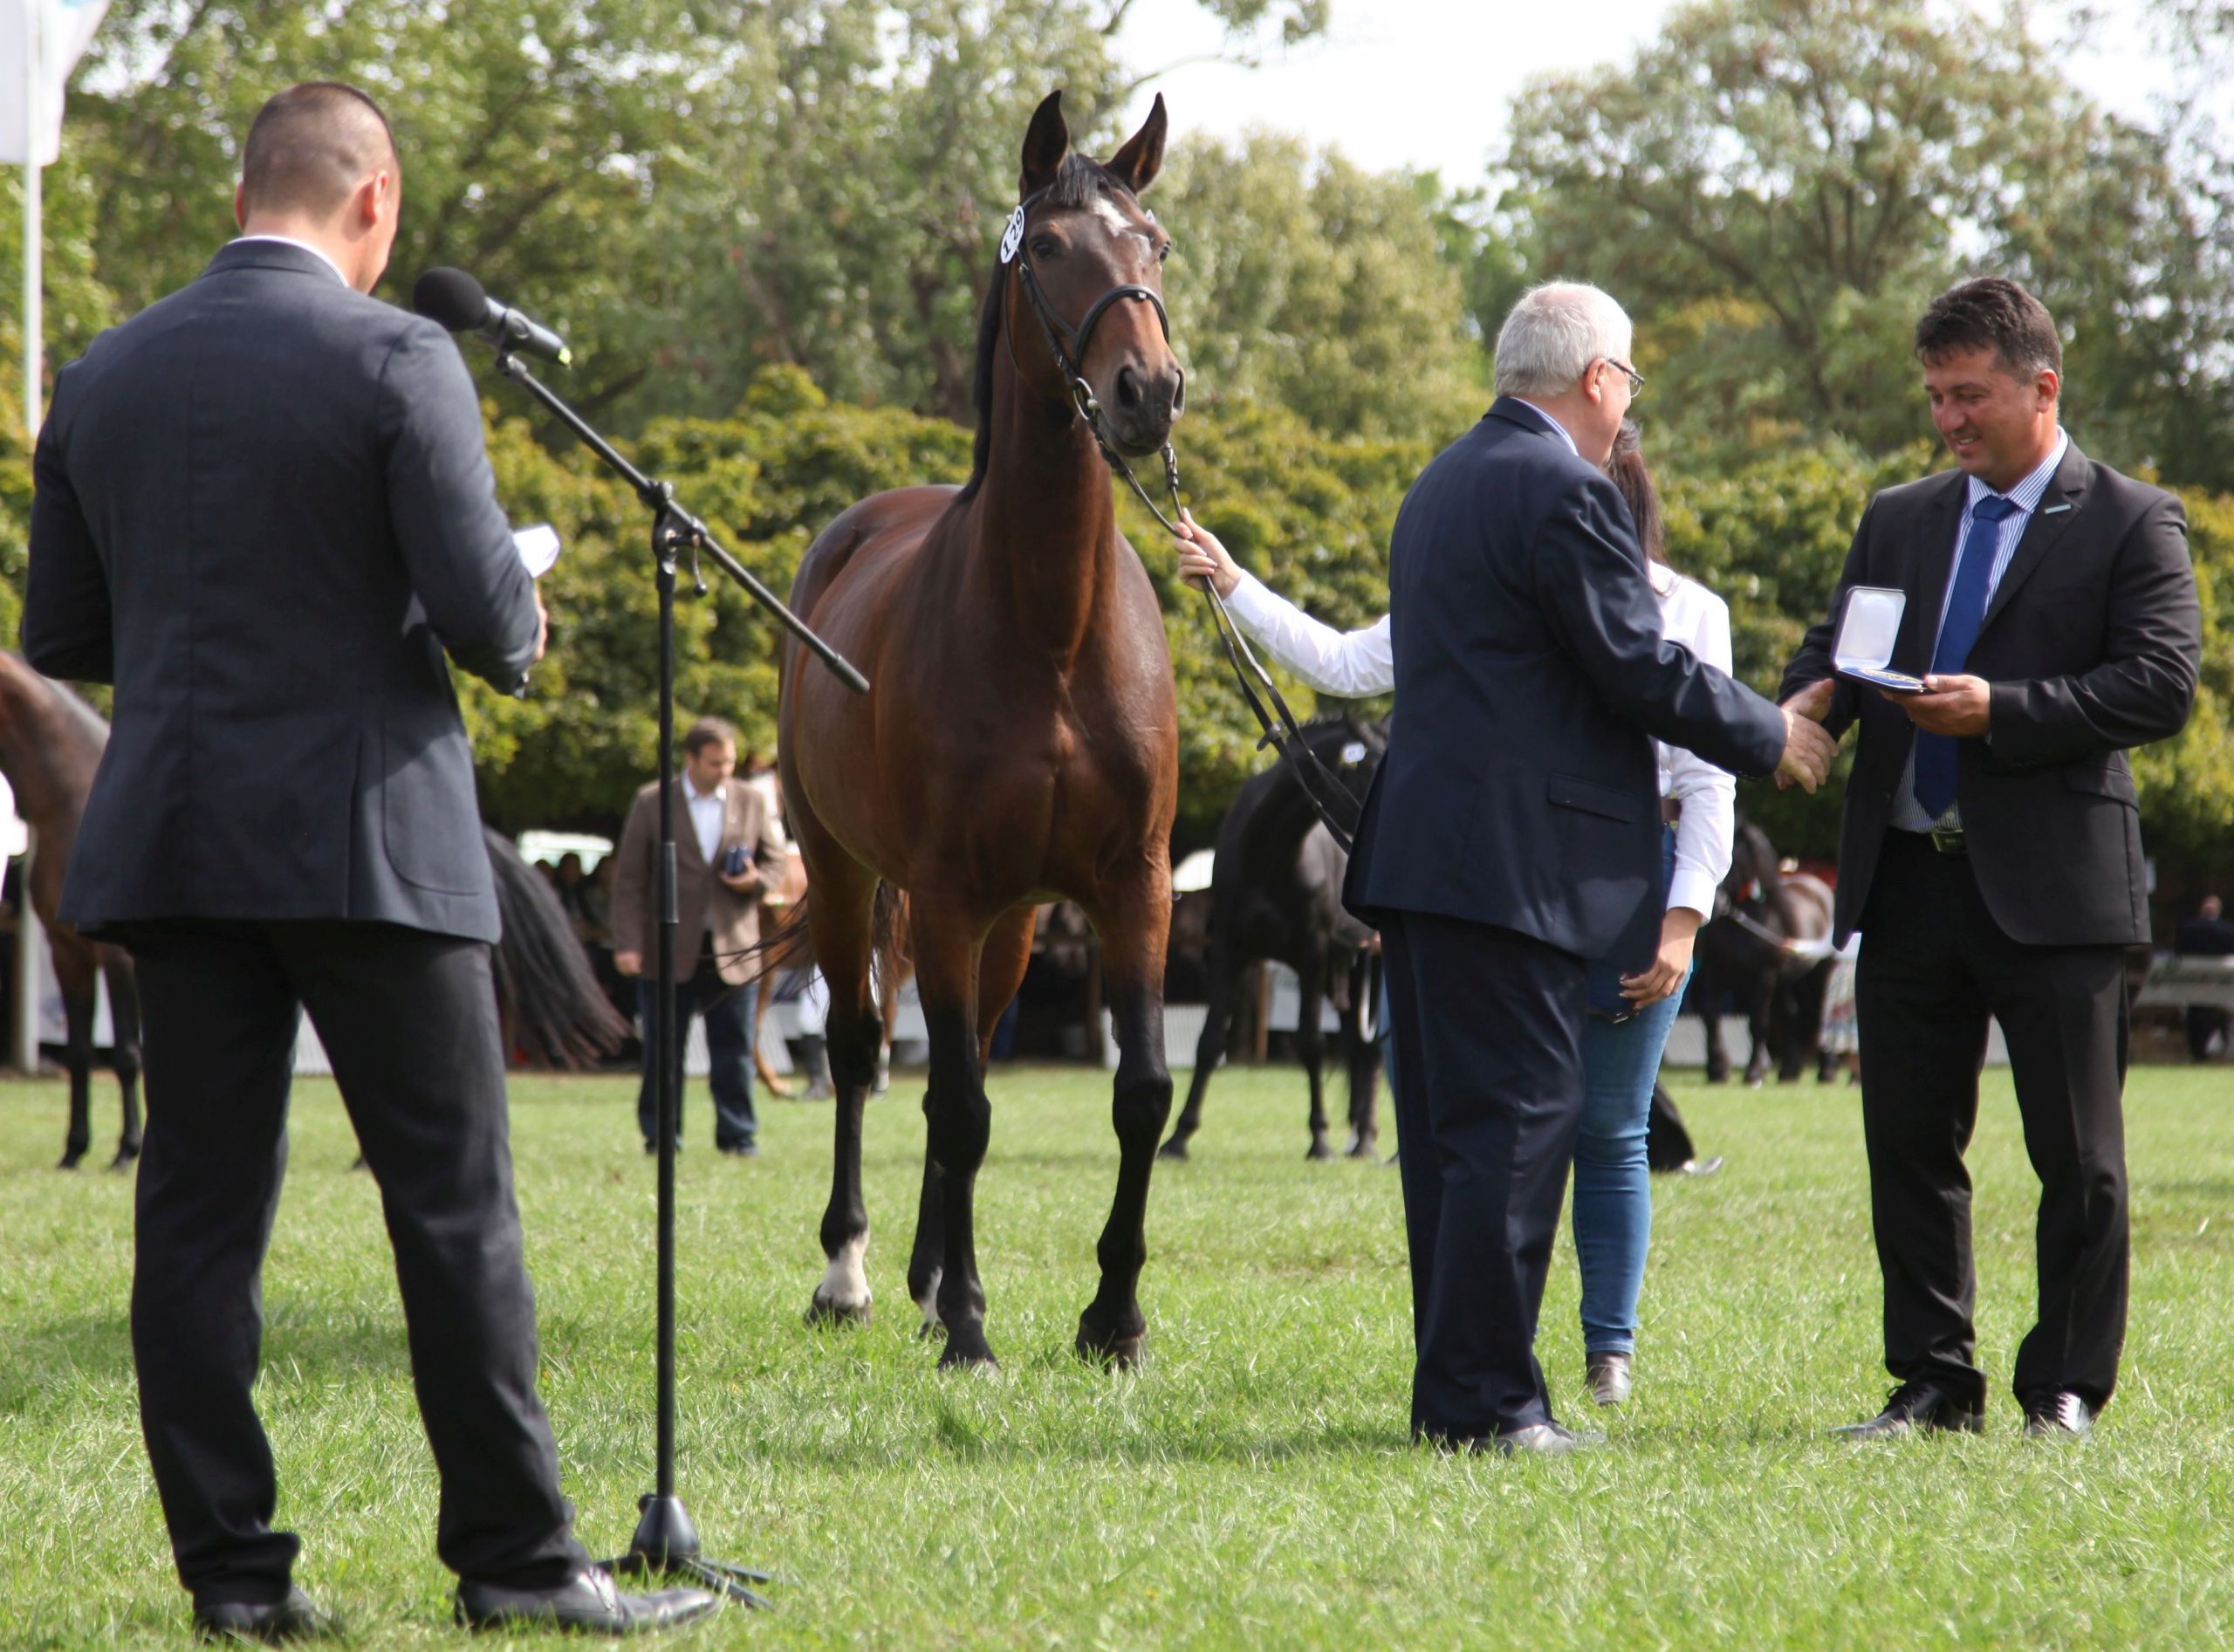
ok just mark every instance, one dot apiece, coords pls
pixel 666 1542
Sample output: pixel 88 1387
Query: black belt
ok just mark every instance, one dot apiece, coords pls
pixel 1945 838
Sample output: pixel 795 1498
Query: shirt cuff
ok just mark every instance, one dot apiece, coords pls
pixel 1693 888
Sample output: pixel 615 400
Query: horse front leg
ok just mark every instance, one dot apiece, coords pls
pixel 838 916
pixel 1219 971
pixel 1757 1026
pixel 1135 928
pixel 124 1012
pixel 1362 1059
pixel 1311 1049
pixel 946 941
pixel 74 968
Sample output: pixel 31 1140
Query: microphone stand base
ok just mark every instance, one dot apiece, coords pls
pixel 665 1547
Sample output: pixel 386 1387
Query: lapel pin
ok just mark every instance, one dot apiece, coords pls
pixel 2055 510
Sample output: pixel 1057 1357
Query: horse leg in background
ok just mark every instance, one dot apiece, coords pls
pixel 1134 928
pixel 74 968
pixel 839 920
pixel 1221 974
pixel 1706 993
pixel 1361 1055
pixel 947 944
pixel 124 1012
pixel 772 1081
pixel 888 975
pixel 1759 1016
pixel 1001 966
pixel 1311 1050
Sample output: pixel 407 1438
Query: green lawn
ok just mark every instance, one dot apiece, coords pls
pixel 1250 1484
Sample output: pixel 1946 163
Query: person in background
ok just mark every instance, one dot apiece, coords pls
pixel 723 841
pixel 1631 1016
pixel 2207 934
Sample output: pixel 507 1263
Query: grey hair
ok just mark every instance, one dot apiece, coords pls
pixel 1554 335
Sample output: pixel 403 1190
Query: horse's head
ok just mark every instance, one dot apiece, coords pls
pixel 1083 255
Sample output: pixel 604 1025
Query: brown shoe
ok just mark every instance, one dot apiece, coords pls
pixel 1608 1376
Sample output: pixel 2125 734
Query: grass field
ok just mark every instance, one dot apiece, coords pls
pixel 1249 1486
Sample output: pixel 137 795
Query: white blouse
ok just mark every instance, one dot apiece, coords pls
pixel 1353 665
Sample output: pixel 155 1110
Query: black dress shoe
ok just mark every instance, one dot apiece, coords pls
pixel 586 1603
pixel 1917 1408
pixel 740 1150
pixel 272 1623
pixel 1543 1440
pixel 2062 1416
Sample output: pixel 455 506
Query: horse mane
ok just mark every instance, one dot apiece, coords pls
pixel 1077 182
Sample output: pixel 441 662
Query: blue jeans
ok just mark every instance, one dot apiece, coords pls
pixel 1613 1187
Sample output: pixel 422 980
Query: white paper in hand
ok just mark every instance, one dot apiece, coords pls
pixel 1867 634
pixel 539 548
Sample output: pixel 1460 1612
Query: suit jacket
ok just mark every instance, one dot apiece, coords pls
pixel 702 901
pixel 1519 788
pixel 264 511
pixel 2091 641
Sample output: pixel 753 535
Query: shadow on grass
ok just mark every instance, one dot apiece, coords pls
pixel 47 1360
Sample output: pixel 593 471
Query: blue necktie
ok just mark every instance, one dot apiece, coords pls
pixel 1966 612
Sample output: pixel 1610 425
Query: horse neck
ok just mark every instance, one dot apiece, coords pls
pixel 1047 518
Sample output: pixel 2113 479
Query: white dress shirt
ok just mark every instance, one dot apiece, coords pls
pixel 1352 665
pixel 706 810
pixel 1907 815
pixel 324 257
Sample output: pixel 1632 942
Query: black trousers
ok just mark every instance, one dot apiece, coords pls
pixel 409 1020
pixel 1935 968
pixel 1488 1026
pixel 727 1012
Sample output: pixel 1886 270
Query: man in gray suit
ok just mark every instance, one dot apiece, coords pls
pixel 264 512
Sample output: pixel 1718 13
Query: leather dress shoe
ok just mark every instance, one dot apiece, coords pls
pixel 268 1624
pixel 739 1150
pixel 2062 1416
pixel 1700 1167
pixel 1542 1440
pixel 1608 1375
pixel 588 1603
pixel 1917 1408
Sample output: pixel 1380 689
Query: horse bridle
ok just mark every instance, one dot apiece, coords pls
pixel 1286 738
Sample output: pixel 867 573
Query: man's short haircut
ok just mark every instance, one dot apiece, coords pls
pixel 1991 313
pixel 310 145
pixel 708 731
pixel 1554 335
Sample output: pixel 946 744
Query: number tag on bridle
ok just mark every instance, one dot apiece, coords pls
pixel 1012 238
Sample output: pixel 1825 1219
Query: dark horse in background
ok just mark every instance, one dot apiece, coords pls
pixel 1764 950
pixel 51 742
pixel 1021 741
pixel 554 1013
pixel 1276 892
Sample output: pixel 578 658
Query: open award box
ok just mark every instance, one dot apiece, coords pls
pixel 1867 634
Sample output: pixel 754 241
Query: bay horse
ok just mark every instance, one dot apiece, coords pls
pixel 1276 892
pixel 51 742
pixel 1020 743
pixel 1746 952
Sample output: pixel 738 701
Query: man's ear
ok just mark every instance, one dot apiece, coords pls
pixel 240 205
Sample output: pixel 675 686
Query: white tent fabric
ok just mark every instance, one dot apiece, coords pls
pixel 40 44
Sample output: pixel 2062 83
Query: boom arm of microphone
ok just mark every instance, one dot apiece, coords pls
pixel 457 302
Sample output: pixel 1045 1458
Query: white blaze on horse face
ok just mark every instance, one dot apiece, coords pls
pixel 845 1284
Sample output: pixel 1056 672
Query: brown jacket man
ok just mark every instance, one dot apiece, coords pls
pixel 702 901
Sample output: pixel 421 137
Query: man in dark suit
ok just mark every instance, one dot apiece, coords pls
pixel 1991 856
pixel 1512 836
pixel 719 820
pixel 264 512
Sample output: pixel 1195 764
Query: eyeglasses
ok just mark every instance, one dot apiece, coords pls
pixel 1635 379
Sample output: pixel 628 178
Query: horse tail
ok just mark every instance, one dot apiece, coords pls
pixel 550 1000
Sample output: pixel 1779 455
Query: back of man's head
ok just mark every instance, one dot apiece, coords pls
pixel 1554 335
pixel 310 148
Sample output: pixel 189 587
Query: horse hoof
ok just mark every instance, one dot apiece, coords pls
pixel 1321 1151
pixel 823 1312
pixel 1175 1148
pixel 69 1160
pixel 123 1161
pixel 1363 1148
pixel 1118 1351
pixel 969 1351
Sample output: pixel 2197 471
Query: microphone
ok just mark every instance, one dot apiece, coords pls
pixel 457 301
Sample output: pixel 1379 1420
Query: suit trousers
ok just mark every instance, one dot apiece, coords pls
pixel 1488 1024
pixel 408 1019
pixel 728 1012
pixel 1934 967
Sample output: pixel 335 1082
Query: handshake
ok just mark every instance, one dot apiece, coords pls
pixel 1808 747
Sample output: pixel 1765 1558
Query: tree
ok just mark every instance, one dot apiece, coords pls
pixel 1775 187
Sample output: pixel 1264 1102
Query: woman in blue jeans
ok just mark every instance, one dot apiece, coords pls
pixel 1630 1015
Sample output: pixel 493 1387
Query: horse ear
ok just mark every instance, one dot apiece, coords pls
pixel 1141 158
pixel 1044 144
